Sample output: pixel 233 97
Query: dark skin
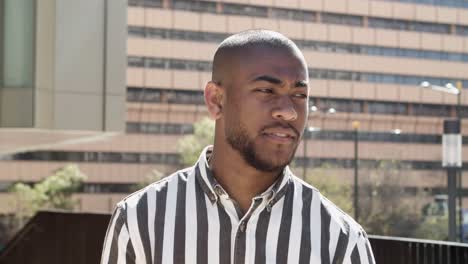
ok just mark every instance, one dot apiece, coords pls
pixel 264 91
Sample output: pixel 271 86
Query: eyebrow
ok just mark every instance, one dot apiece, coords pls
pixel 273 80
pixel 267 78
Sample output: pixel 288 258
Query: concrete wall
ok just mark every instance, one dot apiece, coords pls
pixel 90 64
pixel 80 68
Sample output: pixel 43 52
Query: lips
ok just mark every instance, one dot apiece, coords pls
pixel 280 135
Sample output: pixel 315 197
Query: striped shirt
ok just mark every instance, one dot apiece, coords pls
pixel 189 218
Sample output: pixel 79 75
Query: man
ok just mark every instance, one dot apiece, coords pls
pixel 240 203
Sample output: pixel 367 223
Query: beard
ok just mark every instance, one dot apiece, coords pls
pixel 239 140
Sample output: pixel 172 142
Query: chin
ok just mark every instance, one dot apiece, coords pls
pixel 274 161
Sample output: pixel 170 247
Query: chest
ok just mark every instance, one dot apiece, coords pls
pixel 280 234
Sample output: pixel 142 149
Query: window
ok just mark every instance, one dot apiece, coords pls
pixel 430 27
pixel 290 14
pixel 387 108
pixel 147 3
pixel 462 30
pixel 450 3
pixel 431 110
pixel 135 61
pixel 156 63
pixel 5 186
pixel 342 19
pixel 136 32
pixel 198 6
pixel 341 105
pixel 191 65
pixel 143 95
pixel 244 10
pixel 407 25
pixel 304 44
pixel 380 23
pixel 17 43
pixel 157 33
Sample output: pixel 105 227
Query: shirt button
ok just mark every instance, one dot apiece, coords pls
pixel 242 226
pixel 218 190
pixel 272 193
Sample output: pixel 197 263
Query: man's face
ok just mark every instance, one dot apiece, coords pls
pixel 266 107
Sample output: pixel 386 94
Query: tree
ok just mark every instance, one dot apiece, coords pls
pixel 434 224
pixel 433 227
pixel 54 192
pixel 191 146
pixel 386 208
pixel 328 184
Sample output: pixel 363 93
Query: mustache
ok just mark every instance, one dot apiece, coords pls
pixel 282 125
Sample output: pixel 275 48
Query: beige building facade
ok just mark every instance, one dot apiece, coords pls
pixel 118 104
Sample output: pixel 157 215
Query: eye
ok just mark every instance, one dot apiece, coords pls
pixel 265 90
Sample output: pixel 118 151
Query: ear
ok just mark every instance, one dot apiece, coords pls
pixel 214 99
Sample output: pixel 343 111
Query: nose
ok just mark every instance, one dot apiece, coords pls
pixel 285 110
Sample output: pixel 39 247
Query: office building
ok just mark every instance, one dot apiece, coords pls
pixel 366 60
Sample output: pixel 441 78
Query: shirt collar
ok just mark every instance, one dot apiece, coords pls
pixel 214 190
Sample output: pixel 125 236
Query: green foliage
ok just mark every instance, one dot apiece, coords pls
pixel 384 207
pixel 328 185
pixel 433 227
pixel 54 192
pixel 191 146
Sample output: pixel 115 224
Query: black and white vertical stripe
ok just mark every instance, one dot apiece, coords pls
pixel 181 219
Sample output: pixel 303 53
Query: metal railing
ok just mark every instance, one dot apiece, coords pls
pixel 76 238
pixel 396 250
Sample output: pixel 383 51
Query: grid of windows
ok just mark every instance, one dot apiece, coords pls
pixel 145 3
pixel 159 128
pixel 376 136
pixel 397 24
pixel 331 18
pixel 107 188
pixel 431 110
pixel 173 159
pixel 105 157
pixel 288 14
pixel 295 14
pixel 191 65
pixel 156 95
pixel 341 105
pixel 387 108
pixel 197 6
pixel 244 10
pixel 89 187
pixel 86 187
pixel 450 3
pixel 366 163
pixel 183 129
pixel 148 95
pixel 303 44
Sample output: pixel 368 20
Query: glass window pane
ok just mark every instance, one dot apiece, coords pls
pixel 17 43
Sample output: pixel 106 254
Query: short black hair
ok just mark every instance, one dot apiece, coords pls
pixel 249 39
pixel 256 37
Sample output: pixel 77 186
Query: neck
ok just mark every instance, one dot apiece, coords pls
pixel 241 181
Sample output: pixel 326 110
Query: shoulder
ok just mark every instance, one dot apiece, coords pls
pixel 340 219
pixel 329 211
pixel 153 191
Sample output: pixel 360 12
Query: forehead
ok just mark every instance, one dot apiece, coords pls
pixel 279 62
